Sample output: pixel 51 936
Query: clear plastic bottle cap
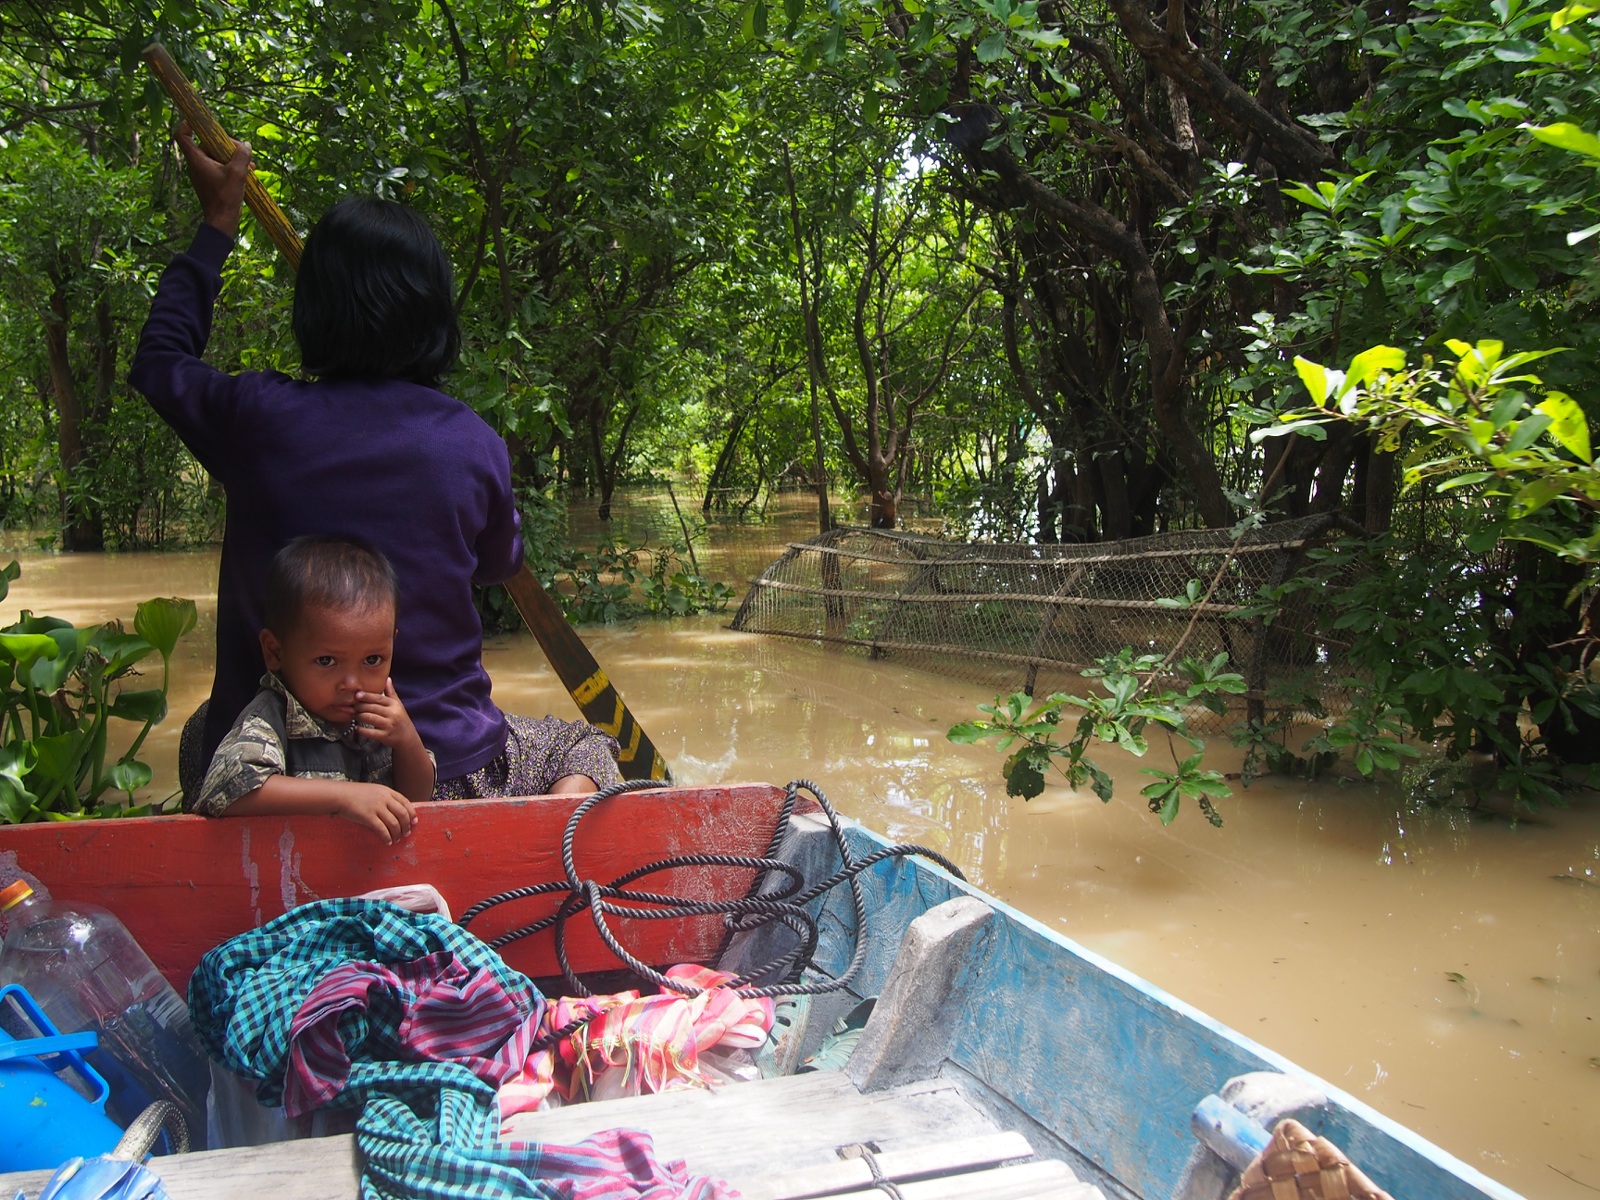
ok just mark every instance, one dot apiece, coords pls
pixel 15 894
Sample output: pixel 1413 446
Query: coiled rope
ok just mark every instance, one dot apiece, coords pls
pixel 777 895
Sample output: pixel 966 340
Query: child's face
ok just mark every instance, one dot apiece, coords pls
pixel 331 654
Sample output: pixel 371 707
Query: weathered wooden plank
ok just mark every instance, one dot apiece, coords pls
pixel 728 1133
pixel 1043 1178
pixel 851 1174
pixel 913 1025
pixel 184 884
pixel 731 1132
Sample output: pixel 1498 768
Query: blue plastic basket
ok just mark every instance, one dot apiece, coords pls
pixel 52 1102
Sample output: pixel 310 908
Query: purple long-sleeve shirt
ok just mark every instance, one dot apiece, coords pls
pixel 408 468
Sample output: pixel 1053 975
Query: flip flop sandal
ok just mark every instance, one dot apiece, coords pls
pixel 837 1047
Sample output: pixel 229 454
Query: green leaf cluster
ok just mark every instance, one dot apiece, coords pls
pixel 60 688
pixel 1142 694
pixel 1480 425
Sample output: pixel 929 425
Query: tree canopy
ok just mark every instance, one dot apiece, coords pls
pixel 1041 265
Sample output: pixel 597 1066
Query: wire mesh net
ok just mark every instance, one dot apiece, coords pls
pixel 1033 617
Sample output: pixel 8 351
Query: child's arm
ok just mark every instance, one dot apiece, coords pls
pixel 380 808
pixel 384 719
pixel 247 778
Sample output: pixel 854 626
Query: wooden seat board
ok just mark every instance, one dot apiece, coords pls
pixel 746 1131
pixel 852 1174
pixel 1027 1181
pixel 740 1133
pixel 307 1169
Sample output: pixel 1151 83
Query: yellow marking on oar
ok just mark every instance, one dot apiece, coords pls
pixel 590 688
pixel 658 767
pixel 627 753
pixel 614 725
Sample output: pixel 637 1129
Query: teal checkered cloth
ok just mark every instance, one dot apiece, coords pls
pixel 428 1129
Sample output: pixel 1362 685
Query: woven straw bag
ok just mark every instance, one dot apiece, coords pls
pixel 1299 1165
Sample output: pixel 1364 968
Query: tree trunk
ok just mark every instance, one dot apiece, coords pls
pixel 717 480
pixel 820 471
pixel 81 528
pixel 885 510
pixel 1377 491
pixel 815 365
pixel 1192 457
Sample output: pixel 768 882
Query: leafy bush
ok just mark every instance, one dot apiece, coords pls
pixel 1131 707
pixel 62 687
pixel 612 582
pixel 1449 650
pixel 1458 648
pixel 601 585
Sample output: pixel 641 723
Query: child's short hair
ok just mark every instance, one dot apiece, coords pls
pixel 375 296
pixel 328 571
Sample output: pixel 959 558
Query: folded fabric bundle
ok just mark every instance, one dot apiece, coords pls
pixel 654 1041
pixel 359 1003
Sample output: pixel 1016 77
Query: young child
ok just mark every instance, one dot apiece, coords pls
pixel 366 444
pixel 326 732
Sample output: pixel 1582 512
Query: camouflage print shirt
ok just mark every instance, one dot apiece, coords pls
pixel 275 735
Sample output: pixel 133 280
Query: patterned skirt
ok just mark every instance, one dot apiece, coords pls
pixel 537 754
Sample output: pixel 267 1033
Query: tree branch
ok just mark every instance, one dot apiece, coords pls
pixel 1294 150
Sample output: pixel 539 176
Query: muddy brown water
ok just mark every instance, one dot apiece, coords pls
pixel 1444 969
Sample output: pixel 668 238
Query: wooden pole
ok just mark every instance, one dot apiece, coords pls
pixel 214 141
pixel 588 685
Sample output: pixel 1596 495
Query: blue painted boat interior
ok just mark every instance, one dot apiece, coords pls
pixel 1105 1062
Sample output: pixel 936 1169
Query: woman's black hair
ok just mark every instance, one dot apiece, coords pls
pixel 326 571
pixel 375 296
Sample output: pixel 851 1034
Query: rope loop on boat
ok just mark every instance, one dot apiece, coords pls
pixel 863 1153
pixel 778 895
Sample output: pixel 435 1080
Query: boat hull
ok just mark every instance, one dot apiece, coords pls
pixel 184 884
pixel 1079 1054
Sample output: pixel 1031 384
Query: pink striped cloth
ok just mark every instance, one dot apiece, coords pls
pixel 621 1164
pixel 447 1013
pixel 420 1043
pixel 653 1043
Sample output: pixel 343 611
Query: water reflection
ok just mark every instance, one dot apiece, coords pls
pixel 1328 921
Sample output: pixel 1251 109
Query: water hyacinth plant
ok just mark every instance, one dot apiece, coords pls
pixel 61 686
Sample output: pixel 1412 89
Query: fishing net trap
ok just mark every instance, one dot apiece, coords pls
pixel 1033 617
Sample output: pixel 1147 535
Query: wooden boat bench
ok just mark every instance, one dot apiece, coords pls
pixel 773 1139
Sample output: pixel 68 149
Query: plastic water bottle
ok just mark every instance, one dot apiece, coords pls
pixel 84 969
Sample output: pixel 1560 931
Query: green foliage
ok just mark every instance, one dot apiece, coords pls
pixel 614 583
pixel 1122 717
pixel 1481 426
pixel 1051 282
pixel 1454 647
pixel 1449 654
pixel 1458 208
pixel 609 583
pixel 62 686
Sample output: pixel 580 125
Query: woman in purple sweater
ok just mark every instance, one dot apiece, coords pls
pixel 368 447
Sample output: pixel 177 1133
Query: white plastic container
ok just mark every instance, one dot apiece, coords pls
pixel 84 969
